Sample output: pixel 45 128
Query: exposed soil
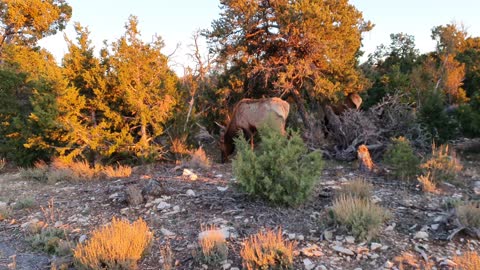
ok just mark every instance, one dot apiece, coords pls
pixel 82 207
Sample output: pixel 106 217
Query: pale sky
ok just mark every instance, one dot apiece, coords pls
pixel 176 20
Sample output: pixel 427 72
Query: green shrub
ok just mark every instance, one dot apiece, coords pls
pixel 469 119
pixel 279 170
pixel 358 188
pixel 361 217
pixel 38 173
pixel 50 240
pixel 439 123
pixel 402 159
pixel 24 203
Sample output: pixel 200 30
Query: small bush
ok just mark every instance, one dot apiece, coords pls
pixel 49 240
pixel 24 203
pixel 468 261
pixel 267 251
pixel 213 246
pixel 279 170
pixel 402 159
pixel 427 184
pixel 167 257
pixel 120 171
pixel 469 119
pixel 443 164
pixel 469 215
pixel 199 159
pixel 117 246
pixel 361 217
pixel 38 173
pixel 358 188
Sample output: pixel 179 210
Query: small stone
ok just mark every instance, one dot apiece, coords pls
pixel 309 265
pixel 222 189
pixel 390 227
pixel 311 251
pixel 328 235
pixel 113 196
pixel 374 246
pixel 167 233
pixel 376 199
pixel 163 205
pixel 421 235
pixel 58 224
pixel 176 208
pixel 3 206
pixel 300 237
pixel 321 267
pixel 343 250
pixel 388 265
pixel 291 236
pixel 350 239
pixel 190 193
pixel 434 226
pixel 82 238
pixel 476 187
pixel 124 211
pixel 374 256
pixel 191 175
pixel 226 266
pixel 234 268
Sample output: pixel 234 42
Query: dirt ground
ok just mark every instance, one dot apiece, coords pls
pixel 214 198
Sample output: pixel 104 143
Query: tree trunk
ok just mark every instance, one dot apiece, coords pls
pixel 297 97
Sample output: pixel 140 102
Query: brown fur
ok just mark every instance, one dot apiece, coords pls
pixel 248 115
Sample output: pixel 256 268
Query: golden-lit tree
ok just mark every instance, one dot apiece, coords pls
pixel 140 76
pixel 23 22
pixel 93 126
pixel 304 48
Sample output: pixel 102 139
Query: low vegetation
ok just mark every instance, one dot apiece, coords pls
pixel 199 160
pixel 361 217
pixel 267 250
pixel 469 215
pixel 119 171
pixel 358 188
pixel 213 246
pixel 283 175
pixel 51 240
pixel 468 261
pixel 427 184
pixel 401 158
pixel 443 164
pixel 117 246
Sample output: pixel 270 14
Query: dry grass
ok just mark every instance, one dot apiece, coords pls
pixel 120 171
pixel 443 164
pixel 361 217
pixel 427 184
pixel 199 159
pixel 213 246
pixel 468 261
pixel 469 215
pixel 80 169
pixel 267 250
pixel 358 188
pixel 38 173
pixel 3 163
pixel 409 261
pixel 167 257
pixel 117 246
pixel 179 148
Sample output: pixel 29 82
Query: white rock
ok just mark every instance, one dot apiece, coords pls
pixel 328 235
pixel 113 196
pixel 388 265
pixel 226 266
pixel 58 224
pixel 234 268
pixel 376 199
pixel 374 246
pixel 321 267
pixel 421 235
pixel 309 265
pixel 176 208
pixel 124 211
pixel 300 237
pixel 167 233
pixel 434 226
pixel 222 189
pixel 163 205
pixel 190 174
pixel 350 239
pixel 343 250
pixel 82 238
pixel 190 193
pixel 390 227
pixel 374 256
pixel 3 206
pixel 476 187
pixel 291 236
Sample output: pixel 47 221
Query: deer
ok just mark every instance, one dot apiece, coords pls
pixel 247 116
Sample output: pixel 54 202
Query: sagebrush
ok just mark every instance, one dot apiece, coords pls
pixel 361 217
pixel 280 169
pixel 213 246
pixel 358 188
pixel 119 245
pixel 443 164
pixel 267 250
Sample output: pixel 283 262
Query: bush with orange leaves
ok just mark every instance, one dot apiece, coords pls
pixel 267 250
pixel 117 246
pixel 213 246
pixel 468 261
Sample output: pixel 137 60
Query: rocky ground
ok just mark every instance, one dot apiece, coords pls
pixel 175 204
